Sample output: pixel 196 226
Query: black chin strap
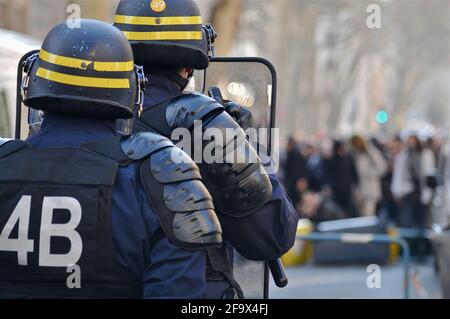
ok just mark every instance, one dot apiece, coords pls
pixel 173 76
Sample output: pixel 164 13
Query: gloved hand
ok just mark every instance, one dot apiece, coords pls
pixel 239 113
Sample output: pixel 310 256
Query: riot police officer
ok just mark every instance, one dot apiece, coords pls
pixel 256 215
pixel 87 212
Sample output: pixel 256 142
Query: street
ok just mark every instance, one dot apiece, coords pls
pixel 336 282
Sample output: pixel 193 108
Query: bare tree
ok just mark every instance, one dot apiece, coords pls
pixel 225 18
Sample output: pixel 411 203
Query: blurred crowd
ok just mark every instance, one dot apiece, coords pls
pixel 336 179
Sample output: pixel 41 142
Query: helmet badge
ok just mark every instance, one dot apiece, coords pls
pixel 158 5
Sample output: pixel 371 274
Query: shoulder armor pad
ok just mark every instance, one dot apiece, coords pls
pixel 185 109
pixel 141 145
pixel 187 196
pixel 171 165
pixel 201 227
pixel 239 184
pixel 195 221
pixel 185 208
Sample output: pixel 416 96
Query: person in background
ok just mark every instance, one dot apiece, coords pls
pixel 370 167
pixel 389 204
pixel 411 167
pixel 314 168
pixel 434 144
pixel 341 177
pixel 319 208
pixel 295 171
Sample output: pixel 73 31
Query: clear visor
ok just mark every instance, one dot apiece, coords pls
pixel 35 118
pixel 125 127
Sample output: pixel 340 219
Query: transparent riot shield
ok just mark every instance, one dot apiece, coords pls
pixel 251 83
pixel 252 276
pixel 24 125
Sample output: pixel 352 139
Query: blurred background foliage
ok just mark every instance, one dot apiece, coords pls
pixel 335 74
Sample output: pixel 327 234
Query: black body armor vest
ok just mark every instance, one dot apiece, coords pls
pixel 55 225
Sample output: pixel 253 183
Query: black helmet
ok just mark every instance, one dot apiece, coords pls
pixel 164 33
pixel 87 71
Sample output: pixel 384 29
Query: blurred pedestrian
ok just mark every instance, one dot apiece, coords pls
pixel 433 144
pixel 341 177
pixel 389 203
pixel 411 167
pixel 319 208
pixel 370 166
pixel 314 168
pixel 295 171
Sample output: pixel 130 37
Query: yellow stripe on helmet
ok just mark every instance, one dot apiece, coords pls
pixel 163 35
pixel 84 64
pixel 136 20
pixel 114 66
pixel 82 80
pixel 64 61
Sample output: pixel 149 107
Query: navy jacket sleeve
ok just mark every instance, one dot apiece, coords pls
pixel 268 233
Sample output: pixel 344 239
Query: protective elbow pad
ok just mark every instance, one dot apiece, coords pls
pixel 176 191
pixel 238 183
pixel 238 187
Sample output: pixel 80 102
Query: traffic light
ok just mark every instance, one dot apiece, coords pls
pixel 382 117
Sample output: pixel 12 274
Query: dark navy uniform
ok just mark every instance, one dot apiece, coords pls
pixel 256 216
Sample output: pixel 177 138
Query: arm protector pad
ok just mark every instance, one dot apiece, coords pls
pixel 175 190
pixel 236 178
